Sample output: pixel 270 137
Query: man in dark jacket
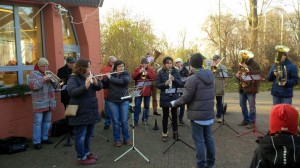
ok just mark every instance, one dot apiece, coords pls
pixel 198 94
pixel 64 74
pixel 247 88
pixel 282 89
pixel 281 146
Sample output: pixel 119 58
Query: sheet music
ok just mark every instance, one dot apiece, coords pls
pixel 142 84
pixel 251 77
pixel 170 90
pixel 64 87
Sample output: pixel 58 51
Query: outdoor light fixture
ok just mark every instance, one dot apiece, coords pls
pixel 61 10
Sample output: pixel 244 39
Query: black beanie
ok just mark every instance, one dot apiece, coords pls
pixel 196 60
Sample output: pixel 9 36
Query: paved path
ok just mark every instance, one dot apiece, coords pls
pixel 232 151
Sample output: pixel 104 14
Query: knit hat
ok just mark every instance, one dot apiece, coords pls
pixel 42 62
pixel 196 60
pixel 144 61
pixel 178 60
pixel 70 60
pixel 283 118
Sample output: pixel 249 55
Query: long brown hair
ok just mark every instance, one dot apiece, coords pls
pixel 81 66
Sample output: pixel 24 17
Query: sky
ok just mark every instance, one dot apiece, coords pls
pixel 170 17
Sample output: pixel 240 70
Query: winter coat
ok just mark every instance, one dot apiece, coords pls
pixel 88 110
pixel 106 69
pixel 64 73
pixel 42 92
pixel 151 76
pixel 253 87
pixel 219 81
pixel 280 151
pixel 292 80
pixel 162 77
pixel 199 95
pixel 118 87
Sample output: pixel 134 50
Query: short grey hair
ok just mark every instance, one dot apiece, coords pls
pixel 112 58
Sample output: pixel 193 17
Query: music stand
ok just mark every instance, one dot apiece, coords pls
pixel 252 79
pixel 180 92
pixel 223 74
pixel 174 91
pixel 132 94
pixel 66 137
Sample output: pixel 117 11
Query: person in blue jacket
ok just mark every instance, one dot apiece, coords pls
pixel 282 87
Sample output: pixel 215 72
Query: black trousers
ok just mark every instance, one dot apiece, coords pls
pixel 165 119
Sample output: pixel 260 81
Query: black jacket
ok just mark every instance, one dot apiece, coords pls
pixel 118 87
pixel 64 73
pixel 88 110
pixel 162 77
pixel 282 151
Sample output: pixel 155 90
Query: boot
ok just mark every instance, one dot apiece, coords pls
pixel 175 135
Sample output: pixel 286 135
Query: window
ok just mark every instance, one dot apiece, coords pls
pixel 20 42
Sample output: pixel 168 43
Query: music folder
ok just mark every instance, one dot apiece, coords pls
pixel 170 90
pixel 251 77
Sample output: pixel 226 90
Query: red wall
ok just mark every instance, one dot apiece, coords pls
pixel 16 115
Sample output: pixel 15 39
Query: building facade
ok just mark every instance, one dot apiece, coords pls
pixel 53 29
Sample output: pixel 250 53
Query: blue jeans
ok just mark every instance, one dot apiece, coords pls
pixel 119 115
pixel 137 108
pixel 83 137
pixel 243 103
pixel 204 143
pixel 107 113
pixel 41 125
pixel 219 106
pixel 282 100
pixel 181 111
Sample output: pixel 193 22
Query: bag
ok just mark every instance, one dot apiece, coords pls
pixel 13 145
pixel 71 110
pixel 59 128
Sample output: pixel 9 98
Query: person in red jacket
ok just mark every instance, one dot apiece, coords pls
pixel 143 75
pixel 106 69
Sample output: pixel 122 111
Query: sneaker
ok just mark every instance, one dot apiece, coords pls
pixel 156 113
pixel 37 146
pixel 106 127
pixel 117 144
pixel 219 120
pixel 250 126
pixel 47 142
pixel 86 161
pixel 164 137
pixel 92 156
pixel 128 143
pixel 243 123
pixel 181 121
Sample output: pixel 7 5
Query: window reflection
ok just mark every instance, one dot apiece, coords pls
pixel 7 36
pixel 68 32
pixel 9 78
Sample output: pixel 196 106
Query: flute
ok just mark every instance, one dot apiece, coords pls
pixel 109 73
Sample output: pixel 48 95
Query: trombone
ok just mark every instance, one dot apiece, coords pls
pixel 214 68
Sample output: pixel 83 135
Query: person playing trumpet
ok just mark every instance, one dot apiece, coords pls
pixel 247 90
pixel 143 73
pixel 282 89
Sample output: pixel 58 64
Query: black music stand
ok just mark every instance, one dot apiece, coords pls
pixel 223 74
pixel 133 94
pixel 252 79
pixel 174 91
pixel 180 92
pixel 66 137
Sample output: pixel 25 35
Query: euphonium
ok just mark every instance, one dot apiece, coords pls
pixel 281 77
pixel 53 77
pixel 245 55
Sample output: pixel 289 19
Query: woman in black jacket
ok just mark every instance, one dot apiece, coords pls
pixel 168 79
pixel 118 87
pixel 82 91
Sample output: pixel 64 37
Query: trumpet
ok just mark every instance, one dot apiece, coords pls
pixel 214 68
pixel 53 78
pixel 144 73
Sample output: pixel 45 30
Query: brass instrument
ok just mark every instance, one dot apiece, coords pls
pixel 214 68
pixel 144 73
pixel 156 54
pixel 245 55
pixel 281 77
pixel 53 78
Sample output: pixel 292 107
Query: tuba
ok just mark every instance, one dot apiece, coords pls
pixel 281 77
pixel 156 54
pixel 244 56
